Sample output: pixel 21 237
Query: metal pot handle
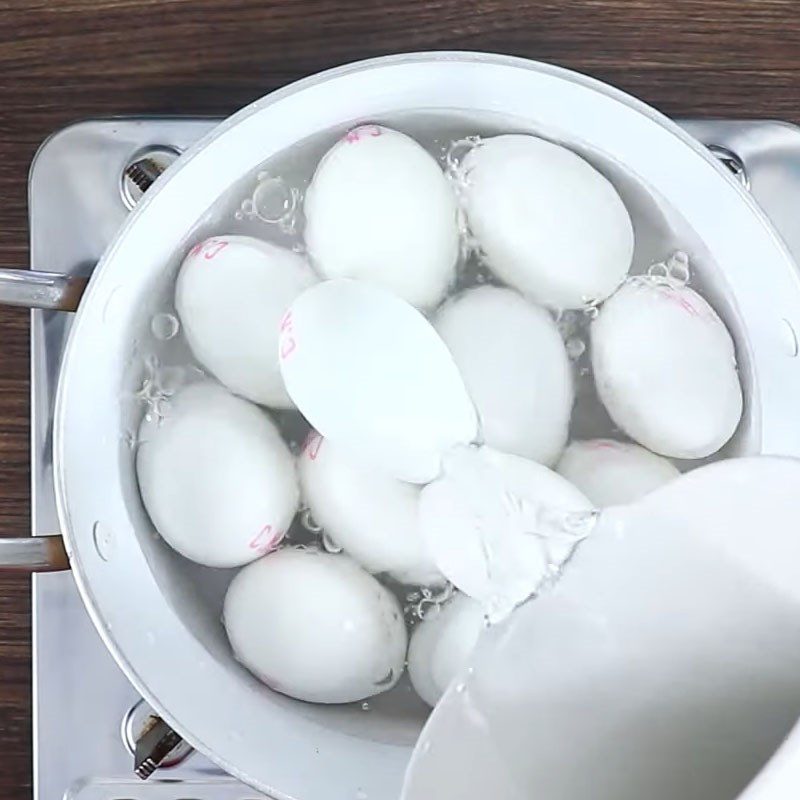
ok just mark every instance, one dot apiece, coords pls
pixel 47 290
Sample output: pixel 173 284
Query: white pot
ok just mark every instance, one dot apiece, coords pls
pixel 155 614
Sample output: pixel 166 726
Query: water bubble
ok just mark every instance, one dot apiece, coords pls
pixel 104 542
pixel 591 312
pixel 130 439
pixel 238 215
pixel 427 610
pixel 273 202
pixel 570 322
pixel 329 545
pixel 460 688
pixel 455 155
pixel 307 521
pixel 412 597
pixel 365 706
pixel 164 326
pixel 386 679
pixel 678 268
pixel 658 271
pixel 575 347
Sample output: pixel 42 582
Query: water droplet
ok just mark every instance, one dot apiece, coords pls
pixel 238 215
pixel 575 347
pixel 365 706
pixel 104 541
pixel 247 207
pixel 460 687
pixel 164 326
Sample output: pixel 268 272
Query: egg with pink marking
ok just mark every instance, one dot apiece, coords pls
pixel 665 368
pixel 215 476
pixel 611 473
pixel 380 209
pixel 230 296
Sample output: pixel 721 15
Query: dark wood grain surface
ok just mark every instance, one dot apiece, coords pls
pixel 61 60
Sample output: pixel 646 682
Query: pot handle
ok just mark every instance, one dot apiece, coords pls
pixel 33 554
pixel 48 290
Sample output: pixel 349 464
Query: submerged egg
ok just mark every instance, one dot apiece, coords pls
pixel 371 515
pixel 496 524
pixel 370 373
pixel 231 294
pixel 665 369
pixel 380 209
pixel 612 473
pixel 316 627
pixel 515 367
pixel 440 646
pixel 548 223
pixel 215 477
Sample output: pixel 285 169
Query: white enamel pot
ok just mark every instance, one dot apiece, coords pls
pixel 159 615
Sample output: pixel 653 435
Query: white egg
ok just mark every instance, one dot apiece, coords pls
pixel 515 367
pixel 547 221
pixel 665 369
pixel 370 373
pixel 441 645
pixel 316 627
pixel 380 209
pixel 495 524
pixel 215 477
pixel 371 515
pixel 611 473
pixel 231 294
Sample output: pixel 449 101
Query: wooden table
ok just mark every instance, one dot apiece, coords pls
pixel 62 60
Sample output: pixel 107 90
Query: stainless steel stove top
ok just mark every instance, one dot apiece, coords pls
pixel 82 703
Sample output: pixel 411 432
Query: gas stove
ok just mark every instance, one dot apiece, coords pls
pixel 87 717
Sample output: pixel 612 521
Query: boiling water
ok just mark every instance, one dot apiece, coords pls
pixel 267 204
